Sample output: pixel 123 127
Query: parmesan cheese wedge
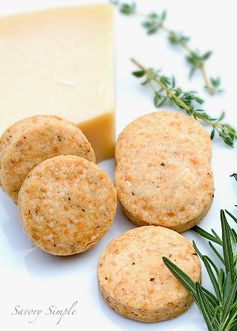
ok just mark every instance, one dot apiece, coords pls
pixel 60 62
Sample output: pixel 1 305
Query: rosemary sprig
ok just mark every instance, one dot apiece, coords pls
pixel 165 92
pixel 219 308
pixel 154 22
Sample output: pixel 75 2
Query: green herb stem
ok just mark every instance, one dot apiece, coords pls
pixel 168 93
pixel 154 22
pixel 201 66
pixel 206 80
pixel 219 309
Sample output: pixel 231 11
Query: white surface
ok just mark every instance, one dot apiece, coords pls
pixel 35 280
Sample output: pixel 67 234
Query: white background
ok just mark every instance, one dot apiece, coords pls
pixel 33 279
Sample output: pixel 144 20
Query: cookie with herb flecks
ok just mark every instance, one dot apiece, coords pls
pixel 66 204
pixel 135 282
pixel 34 139
pixel 182 134
pixel 163 174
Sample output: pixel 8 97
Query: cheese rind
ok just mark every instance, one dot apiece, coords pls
pixel 60 62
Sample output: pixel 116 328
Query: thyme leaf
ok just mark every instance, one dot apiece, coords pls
pixel 165 92
pixel 154 23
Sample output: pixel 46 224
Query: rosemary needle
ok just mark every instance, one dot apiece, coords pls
pixel 219 308
pixel 165 92
pixel 154 22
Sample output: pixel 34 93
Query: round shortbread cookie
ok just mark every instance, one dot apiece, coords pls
pixel 66 205
pixel 165 181
pixel 162 128
pixel 34 139
pixel 134 281
pixel 170 193
pixel 9 134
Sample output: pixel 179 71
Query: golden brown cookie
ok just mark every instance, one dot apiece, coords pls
pixel 162 178
pixel 66 205
pixel 134 281
pixel 162 128
pixel 32 140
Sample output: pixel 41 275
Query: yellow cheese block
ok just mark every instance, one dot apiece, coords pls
pixel 60 62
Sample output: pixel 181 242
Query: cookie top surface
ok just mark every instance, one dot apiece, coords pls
pixel 34 139
pixel 163 174
pixel 181 132
pixel 66 204
pixel 132 274
pixel 163 190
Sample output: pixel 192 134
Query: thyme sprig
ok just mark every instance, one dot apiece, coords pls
pixel 219 308
pixel 165 92
pixel 155 22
